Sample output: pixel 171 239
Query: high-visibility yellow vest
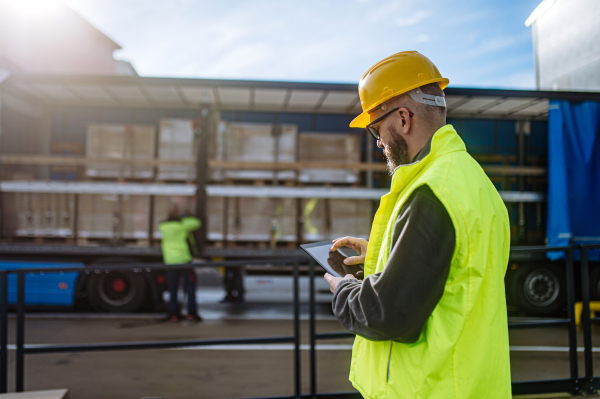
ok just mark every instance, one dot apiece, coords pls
pixel 174 241
pixel 463 349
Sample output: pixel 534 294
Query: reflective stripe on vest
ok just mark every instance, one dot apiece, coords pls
pixel 463 349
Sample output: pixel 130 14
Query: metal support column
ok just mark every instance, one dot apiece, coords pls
pixel 151 207
pixel 75 218
pixel 297 391
pixel 20 360
pixel 203 132
pixel 4 333
pixel 313 360
pixel 574 373
pixel 523 129
pixel 585 313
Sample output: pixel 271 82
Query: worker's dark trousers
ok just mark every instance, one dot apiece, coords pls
pixel 189 285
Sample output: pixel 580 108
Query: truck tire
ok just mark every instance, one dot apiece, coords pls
pixel 116 291
pixel 538 290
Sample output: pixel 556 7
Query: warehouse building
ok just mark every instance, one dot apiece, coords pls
pixel 54 39
pixel 565 41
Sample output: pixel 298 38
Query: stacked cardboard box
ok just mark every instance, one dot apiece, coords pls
pixel 110 216
pixel 334 218
pixel 120 142
pixel 252 219
pixel 336 148
pixel 254 142
pixel 44 215
pixel 176 143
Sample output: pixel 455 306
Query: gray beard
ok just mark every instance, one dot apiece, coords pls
pixel 396 152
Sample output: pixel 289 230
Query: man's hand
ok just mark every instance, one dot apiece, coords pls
pixel 335 281
pixel 357 244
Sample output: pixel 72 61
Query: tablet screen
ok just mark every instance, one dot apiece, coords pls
pixel 332 262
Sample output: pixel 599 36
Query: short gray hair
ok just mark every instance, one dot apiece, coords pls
pixel 433 116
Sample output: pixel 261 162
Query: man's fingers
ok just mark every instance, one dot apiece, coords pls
pixel 354 260
pixel 328 277
pixel 343 242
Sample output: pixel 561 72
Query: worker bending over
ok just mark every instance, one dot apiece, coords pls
pixel 430 314
pixel 176 236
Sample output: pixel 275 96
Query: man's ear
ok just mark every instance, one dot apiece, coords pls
pixel 405 120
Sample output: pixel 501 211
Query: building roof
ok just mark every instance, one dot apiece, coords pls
pixel 540 10
pixel 267 96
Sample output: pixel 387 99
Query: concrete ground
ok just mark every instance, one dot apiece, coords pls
pixel 228 372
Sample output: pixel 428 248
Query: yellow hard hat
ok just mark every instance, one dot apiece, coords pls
pixel 392 76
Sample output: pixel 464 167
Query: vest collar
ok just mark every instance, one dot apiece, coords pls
pixel 445 140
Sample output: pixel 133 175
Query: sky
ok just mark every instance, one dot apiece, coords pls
pixel 474 43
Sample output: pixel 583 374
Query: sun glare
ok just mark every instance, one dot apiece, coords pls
pixel 32 6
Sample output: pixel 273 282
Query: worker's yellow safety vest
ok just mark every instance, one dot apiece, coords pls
pixel 174 242
pixel 463 349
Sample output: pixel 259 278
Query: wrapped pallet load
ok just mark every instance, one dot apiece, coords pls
pixel 44 214
pixel 112 216
pixel 255 142
pixel 252 219
pixel 176 143
pixel 261 219
pixel 335 148
pixel 326 219
pixel 112 142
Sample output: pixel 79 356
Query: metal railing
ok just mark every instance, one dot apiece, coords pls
pixel 576 384
pixel 22 349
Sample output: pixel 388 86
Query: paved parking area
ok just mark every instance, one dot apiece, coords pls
pixel 227 371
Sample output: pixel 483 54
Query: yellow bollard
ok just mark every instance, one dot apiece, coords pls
pixel 594 307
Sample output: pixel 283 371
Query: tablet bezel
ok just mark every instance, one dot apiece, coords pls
pixel 323 263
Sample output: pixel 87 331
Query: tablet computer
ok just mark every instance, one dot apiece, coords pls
pixel 333 262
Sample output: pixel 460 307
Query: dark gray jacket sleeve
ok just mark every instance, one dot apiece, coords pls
pixel 396 303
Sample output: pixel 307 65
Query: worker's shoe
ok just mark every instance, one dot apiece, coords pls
pixel 174 317
pixel 193 318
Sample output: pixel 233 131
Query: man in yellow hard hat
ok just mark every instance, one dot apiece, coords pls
pixel 430 314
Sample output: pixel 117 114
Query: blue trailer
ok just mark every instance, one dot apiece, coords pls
pixel 511 133
pixel 51 289
pixel 537 286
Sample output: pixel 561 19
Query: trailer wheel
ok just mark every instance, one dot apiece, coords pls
pixel 538 290
pixel 116 291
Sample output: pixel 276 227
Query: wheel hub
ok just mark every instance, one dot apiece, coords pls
pixel 118 285
pixel 541 288
pixel 116 290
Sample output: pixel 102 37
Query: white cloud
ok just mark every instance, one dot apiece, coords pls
pixel 495 44
pixel 240 60
pixel 410 20
pixel 333 40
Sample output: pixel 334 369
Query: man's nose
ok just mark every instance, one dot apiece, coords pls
pixel 379 143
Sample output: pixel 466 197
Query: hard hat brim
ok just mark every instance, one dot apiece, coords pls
pixel 361 120
pixel 364 118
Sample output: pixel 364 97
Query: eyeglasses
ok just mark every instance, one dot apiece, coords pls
pixel 375 132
